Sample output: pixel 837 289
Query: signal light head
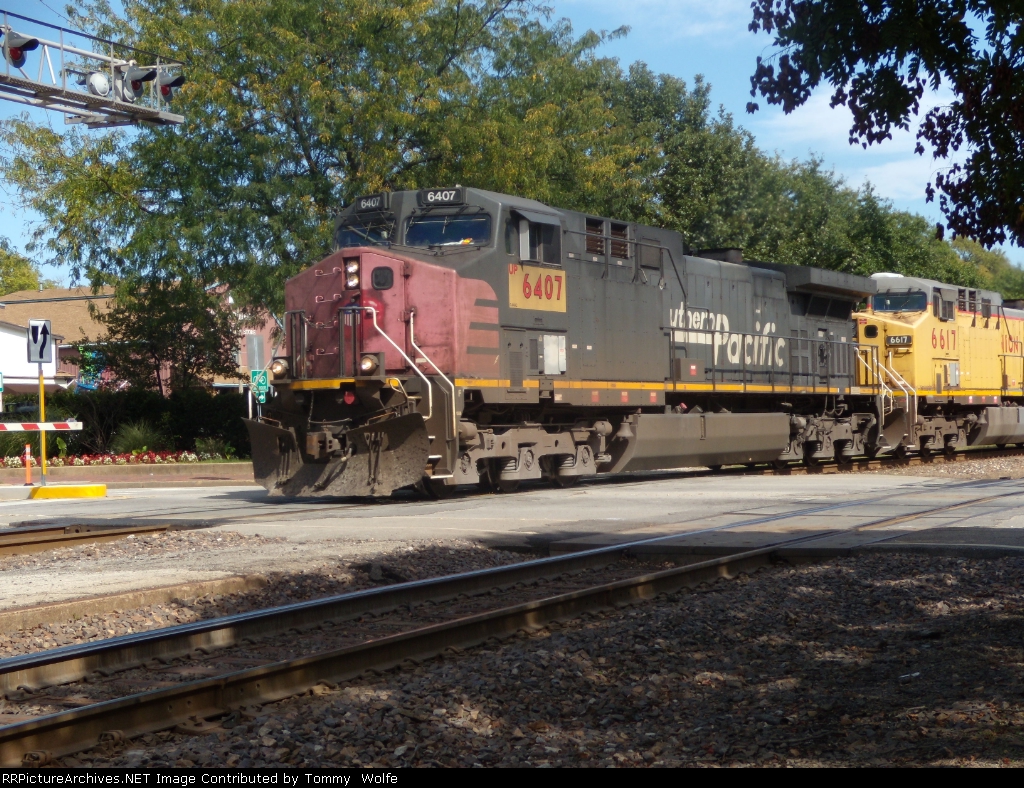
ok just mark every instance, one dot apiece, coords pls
pixel 130 85
pixel 16 45
pixel 168 83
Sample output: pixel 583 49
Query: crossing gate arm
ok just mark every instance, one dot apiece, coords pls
pixel 40 426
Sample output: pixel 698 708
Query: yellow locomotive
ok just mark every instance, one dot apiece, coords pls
pixel 947 361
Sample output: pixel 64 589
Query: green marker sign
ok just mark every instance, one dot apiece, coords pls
pixel 261 397
pixel 259 383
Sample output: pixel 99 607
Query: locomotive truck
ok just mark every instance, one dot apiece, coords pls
pixel 460 336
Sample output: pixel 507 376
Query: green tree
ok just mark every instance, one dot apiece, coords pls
pixel 167 336
pixel 17 272
pixel 994 268
pixel 879 57
pixel 293 107
pixel 712 184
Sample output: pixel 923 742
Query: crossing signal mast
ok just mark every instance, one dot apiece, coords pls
pixel 103 86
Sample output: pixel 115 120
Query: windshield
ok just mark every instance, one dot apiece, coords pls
pixel 900 302
pixel 357 233
pixel 441 230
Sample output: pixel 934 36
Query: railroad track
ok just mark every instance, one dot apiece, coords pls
pixel 138 691
pixel 865 464
pixel 36 539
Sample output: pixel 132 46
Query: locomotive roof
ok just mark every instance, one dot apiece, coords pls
pixel 803 278
pixel 897 283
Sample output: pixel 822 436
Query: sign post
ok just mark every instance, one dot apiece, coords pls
pixel 1 392
pixel 40 351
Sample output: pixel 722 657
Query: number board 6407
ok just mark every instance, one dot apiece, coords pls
pixel 533 287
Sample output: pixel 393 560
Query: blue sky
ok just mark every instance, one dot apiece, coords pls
pixel 684 38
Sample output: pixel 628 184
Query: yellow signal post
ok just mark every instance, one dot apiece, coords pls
pixel 42 432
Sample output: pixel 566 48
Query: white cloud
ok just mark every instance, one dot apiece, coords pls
pixel 892 166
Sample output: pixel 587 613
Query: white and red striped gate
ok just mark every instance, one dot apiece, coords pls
pixel 39 426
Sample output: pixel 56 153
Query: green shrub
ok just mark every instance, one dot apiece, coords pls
pixel 215 446
pixel 137 436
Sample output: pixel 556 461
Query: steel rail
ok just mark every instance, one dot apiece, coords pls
pixel 37 665
pixel 36 741
pixel 21 541
pixel 73 663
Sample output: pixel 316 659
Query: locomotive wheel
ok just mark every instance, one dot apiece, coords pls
pixel 434 489
pixel 780 465
pixel 438 490
pixel 487 477
pixel 843 460
pixel 508 485
pixel 715 468
pixel 564 481
pixel 949 449
pixel 900 452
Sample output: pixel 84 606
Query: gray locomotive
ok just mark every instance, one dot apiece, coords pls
pixel 459 336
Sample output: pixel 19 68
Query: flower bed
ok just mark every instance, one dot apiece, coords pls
pixel 135 458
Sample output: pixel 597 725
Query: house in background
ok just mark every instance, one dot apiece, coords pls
pixel 20 376
pixel 67 309
pixel 69 319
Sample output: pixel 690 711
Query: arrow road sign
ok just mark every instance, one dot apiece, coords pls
pixel 261 397
pixel 40 348
pixel 258 381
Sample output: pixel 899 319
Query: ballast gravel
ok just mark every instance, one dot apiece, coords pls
pixel 136 547
pixel 875 660
pixel 968 468
pixel 415 561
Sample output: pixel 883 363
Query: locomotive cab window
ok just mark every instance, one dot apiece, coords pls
pixel 945 309
pixel 900 302
pixel 511 236
pixel 357 232
pixel 545 243
pixel 435 230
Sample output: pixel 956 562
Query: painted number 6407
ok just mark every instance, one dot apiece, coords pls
pixel 547 287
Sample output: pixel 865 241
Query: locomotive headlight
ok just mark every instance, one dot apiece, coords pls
pixel 279 369
pixel 352 282
pixel 352 267
pixel 368 365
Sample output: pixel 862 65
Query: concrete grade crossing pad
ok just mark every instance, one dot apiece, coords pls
pixel 704 515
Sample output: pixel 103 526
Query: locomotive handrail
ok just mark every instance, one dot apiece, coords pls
pixel 909 391
pixel 418 349
pixel 874 377
pixel 289 318
pixel 373 318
